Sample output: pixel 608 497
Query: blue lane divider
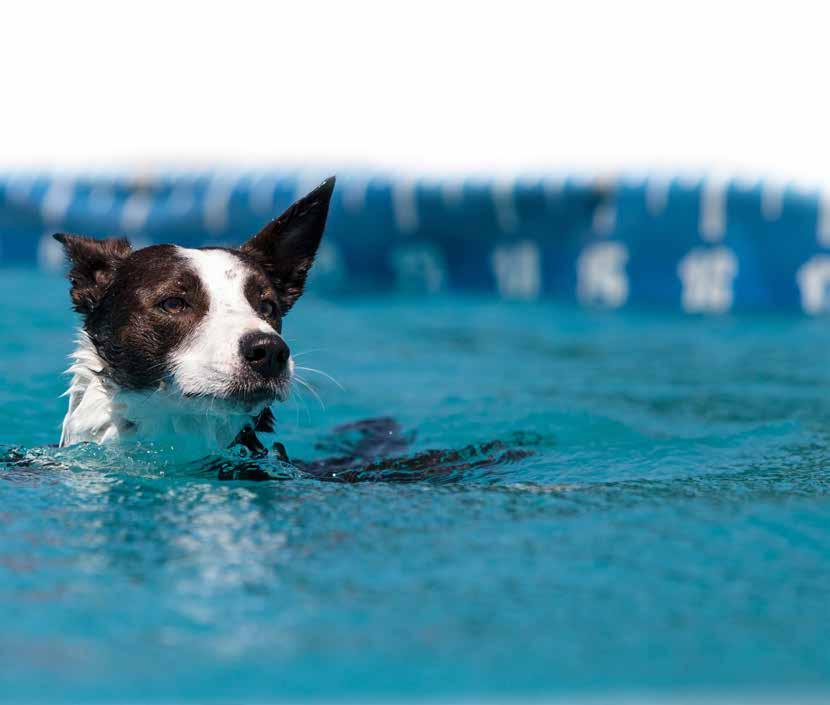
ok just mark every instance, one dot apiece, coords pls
pixel 701 246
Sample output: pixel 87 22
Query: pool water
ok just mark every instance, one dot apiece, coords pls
pixel 666 527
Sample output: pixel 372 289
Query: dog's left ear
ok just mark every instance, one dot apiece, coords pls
pixel 286 246
pixel 93 264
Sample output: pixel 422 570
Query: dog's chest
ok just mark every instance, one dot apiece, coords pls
pixel 99 414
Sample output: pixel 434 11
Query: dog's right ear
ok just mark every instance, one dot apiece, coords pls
pixel 93 264
pixel 286 247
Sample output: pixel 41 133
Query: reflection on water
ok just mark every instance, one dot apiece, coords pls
pixel 142 578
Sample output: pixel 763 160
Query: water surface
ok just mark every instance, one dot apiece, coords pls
pixel 665 527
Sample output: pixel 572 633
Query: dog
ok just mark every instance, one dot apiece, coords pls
pixel 182 348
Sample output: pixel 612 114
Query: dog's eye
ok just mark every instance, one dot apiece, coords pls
pixel 267 308
pixel 175 304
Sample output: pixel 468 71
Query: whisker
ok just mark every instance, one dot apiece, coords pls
pixel 310 389
pixel 295 401
pixel 300 398
pixel 324 374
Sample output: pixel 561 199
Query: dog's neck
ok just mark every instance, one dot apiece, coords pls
pixel 100 411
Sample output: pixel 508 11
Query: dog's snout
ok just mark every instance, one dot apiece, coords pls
pixel 266 354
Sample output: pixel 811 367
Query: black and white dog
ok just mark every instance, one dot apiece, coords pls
pixel 183 347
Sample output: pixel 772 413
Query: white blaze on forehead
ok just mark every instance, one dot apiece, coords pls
pixel 210 356
pixel 223 278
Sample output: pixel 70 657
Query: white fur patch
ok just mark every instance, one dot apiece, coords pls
pixel 208 360
pixel 89 416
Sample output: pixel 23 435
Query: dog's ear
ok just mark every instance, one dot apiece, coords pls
pixel 93 264
pixel 285 247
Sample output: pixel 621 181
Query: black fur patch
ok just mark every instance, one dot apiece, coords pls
pixel 260 288
pixel 286 247
pixel 128 327
pixel 94 264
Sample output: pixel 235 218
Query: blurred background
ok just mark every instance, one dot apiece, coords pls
pixel 528 150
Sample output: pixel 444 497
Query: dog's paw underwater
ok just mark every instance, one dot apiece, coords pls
pixel 372 450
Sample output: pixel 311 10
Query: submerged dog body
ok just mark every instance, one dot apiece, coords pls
pixel 183 346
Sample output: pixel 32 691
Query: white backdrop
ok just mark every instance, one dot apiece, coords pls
pixel 735 87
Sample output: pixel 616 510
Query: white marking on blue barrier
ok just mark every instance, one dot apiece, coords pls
pixel 57 200
pixel 657 194
pixel 813 280
pixel 823 221
pixel 50 254
pixel 504 204
pixel 420 268
pixel 712 222
pixel 353 194
pixel 135 211
pixel 517 269
pixel 217 203
pixel 707 275
pixel 772 200
pixel 405 205
pixel 261 196
pixel 19 188
pixel 601 276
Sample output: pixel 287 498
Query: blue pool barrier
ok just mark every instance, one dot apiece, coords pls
pixel 699 245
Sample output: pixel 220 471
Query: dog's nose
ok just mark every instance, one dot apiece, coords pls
pixel 265 353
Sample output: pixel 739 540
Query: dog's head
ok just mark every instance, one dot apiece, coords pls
pixel 201 323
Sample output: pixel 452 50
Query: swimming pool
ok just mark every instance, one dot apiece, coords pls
pixel 666 529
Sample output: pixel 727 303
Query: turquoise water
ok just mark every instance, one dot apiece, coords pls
pixel 664 527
